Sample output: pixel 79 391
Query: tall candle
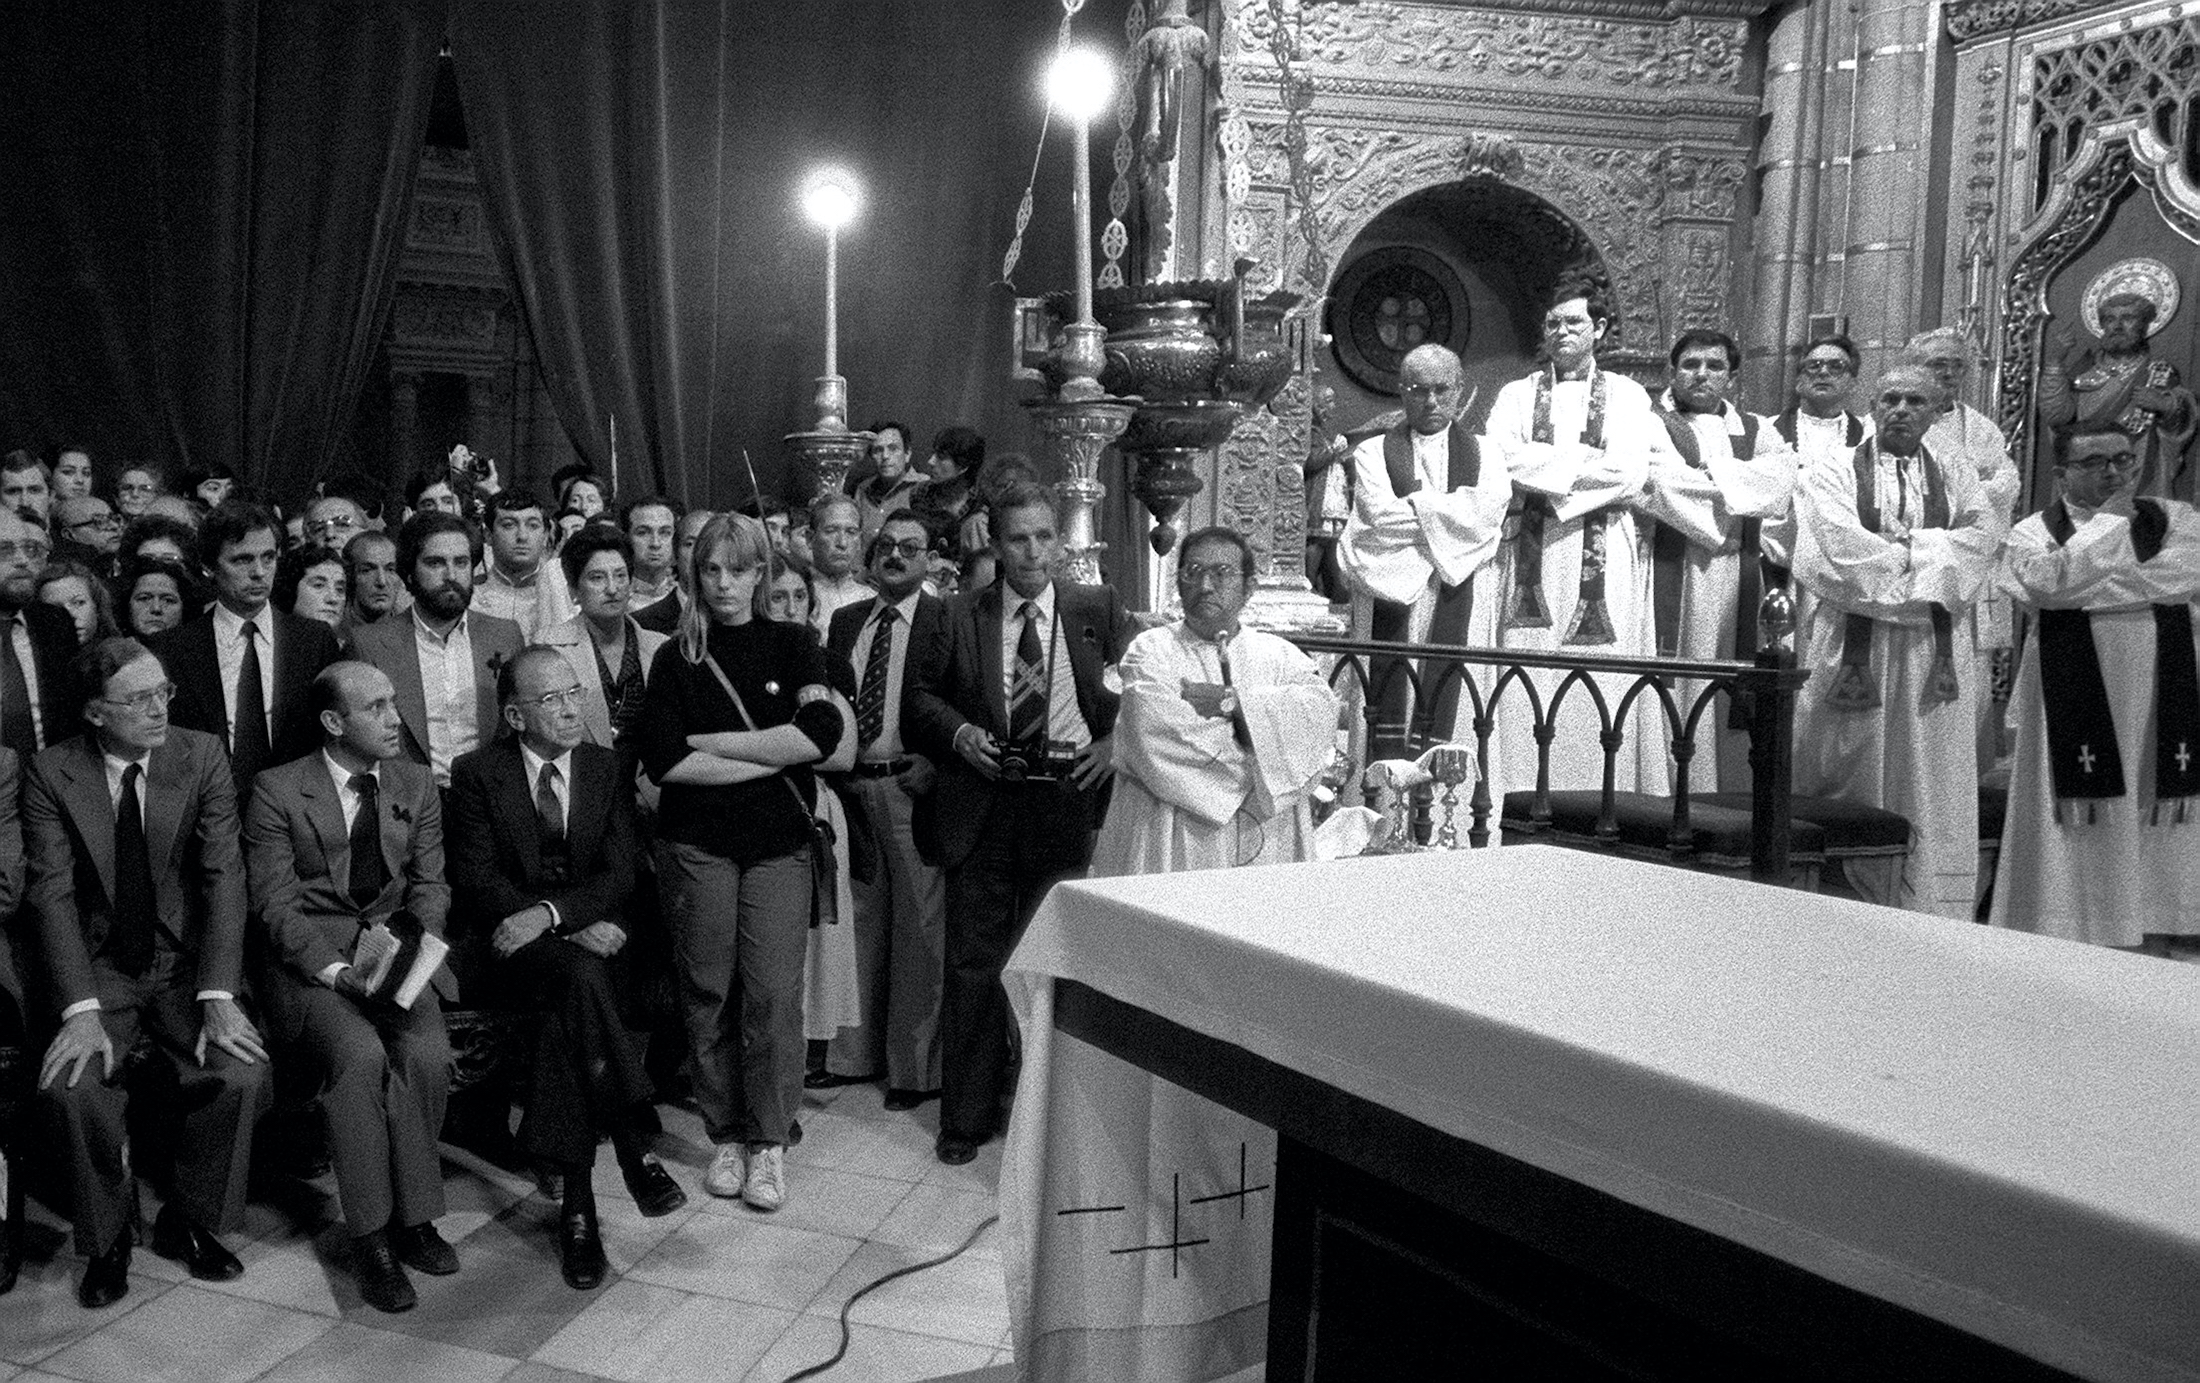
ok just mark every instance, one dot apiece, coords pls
pixel 832 300
pixel 1081 210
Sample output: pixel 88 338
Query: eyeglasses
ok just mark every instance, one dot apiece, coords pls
pixel 1216 576
pixel 2116 462
pixel 908 547
pixel 1827 367
pixel 554 700
pixel 34 549
pixel 108 520
pixel 143 701
pixel 334 523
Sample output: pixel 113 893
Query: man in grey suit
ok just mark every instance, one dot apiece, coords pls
pixel 442 658
pixel 338 842
pixel 139 894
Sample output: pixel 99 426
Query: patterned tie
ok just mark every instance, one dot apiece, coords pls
pixel 17 729
pixel 871 696
pixel 1027 702
pixel 551 817
pixel 368 871
pixel 132 943
pixel 250 748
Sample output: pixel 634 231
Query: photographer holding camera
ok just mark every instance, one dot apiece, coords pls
pixel 1019 724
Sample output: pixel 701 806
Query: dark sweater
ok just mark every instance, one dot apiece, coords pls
pixel 767 663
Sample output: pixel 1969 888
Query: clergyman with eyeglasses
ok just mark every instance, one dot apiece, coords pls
pixel 2104 792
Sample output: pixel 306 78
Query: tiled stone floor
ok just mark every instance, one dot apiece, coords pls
pixel 713 1291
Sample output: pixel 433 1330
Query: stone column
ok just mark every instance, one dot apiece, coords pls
pixel 1887 165
pixel 1790 168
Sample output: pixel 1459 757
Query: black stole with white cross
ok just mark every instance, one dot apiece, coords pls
pixel 2176 679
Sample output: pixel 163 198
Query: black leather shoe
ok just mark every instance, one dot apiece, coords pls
pixel 106 1277
pixel 955 1150
pixel 382 1283
pixel 826 1080
pixel 580 1251
pixel 419 1246
pixel 177 1238
pixel 898 1099
pixel 655 1192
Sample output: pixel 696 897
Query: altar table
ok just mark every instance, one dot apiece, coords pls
pixel 1643 1120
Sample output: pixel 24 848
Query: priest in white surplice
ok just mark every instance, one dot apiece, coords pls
pixel 1895 545
pixel 1222 734
pixel 1575 577
pixel 2103 836
pixel 1428 510
pixel 1729 476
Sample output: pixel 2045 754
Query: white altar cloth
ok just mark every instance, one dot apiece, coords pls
pixel 1994 1129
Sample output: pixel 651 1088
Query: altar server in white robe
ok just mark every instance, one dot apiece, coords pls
pixel 1428 511
pixel 1575 575
pixel 1729 476
pixel 1895 545
pixel 1222 733
pixel 2103 836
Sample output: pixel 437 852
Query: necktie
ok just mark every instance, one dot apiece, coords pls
pixel 546 804
pixel 132 928
pixel 249 747
pixel 1027 703
pixel 368 872
pixel 17 730
pixel 871 696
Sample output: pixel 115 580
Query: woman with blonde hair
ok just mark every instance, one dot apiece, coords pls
pixel 739 709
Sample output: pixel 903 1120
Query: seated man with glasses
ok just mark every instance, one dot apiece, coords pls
pixel 542 855
pixel 137 886
pixel 88 529
pixel 334 520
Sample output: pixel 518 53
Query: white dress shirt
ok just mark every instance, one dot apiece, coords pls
pixel 447 688
pixel 540 602
pixel 561 783
pixel 229 656
pixel 888 744
pixel 1065 721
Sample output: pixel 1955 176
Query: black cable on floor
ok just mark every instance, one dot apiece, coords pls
pixel 841 1352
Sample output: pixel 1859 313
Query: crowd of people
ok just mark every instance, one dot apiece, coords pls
pixel 1577 512
pixel 720 805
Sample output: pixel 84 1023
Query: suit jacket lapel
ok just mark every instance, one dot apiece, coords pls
pixel 589 797
pixel 327 815
pixel 394 834
pixel 517 804
pixel 404 664
pixel 988 617
pixel 1076 624
pixel 163 810
pixel 84 777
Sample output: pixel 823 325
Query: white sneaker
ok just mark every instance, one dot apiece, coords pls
pixel 767 1186
pixel 728 1170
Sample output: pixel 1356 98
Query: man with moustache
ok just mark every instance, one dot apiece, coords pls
pixel 339 843
pixel 443 660
pixel 522 586
pixel 1428 511
pixel 242 669
pixel 893 641
pixel 26 485
pixel 1018 721
pixel 542 856
pixel 137 885
pixel 654 599
pixel 38 694
pixel 836 535
pixel 376 589
pixel 1894 545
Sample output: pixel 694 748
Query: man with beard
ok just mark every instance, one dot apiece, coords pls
pixel 243 670
pixel 893 642
pixel 339 844
pixel 377 591
pixel 654 599
pixel 443 661
pixel 522 586
pixel 2120 382
pixel 1894 545
pixel 1428 510
pixel 836 529
pixel 26 484
pixel 1729 475
pixel 38 701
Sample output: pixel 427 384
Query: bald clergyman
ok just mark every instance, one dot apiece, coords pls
pixel 1427 513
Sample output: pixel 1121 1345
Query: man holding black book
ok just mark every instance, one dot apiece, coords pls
pixel 345 849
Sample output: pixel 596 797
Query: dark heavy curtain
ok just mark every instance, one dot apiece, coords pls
pixel 641 162
pixel 203 206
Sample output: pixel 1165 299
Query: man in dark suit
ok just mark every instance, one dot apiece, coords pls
pixel 38 700
pixel 339 843
pixel 14 1011
pixel 138 889
pixel 443 657
pixel 542 854
pixel 1019 723
pixel 891 641
pixel 242 669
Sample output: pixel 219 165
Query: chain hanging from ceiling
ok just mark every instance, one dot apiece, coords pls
pixel 1046 121
pixel 1115 239
pixel 1287 43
